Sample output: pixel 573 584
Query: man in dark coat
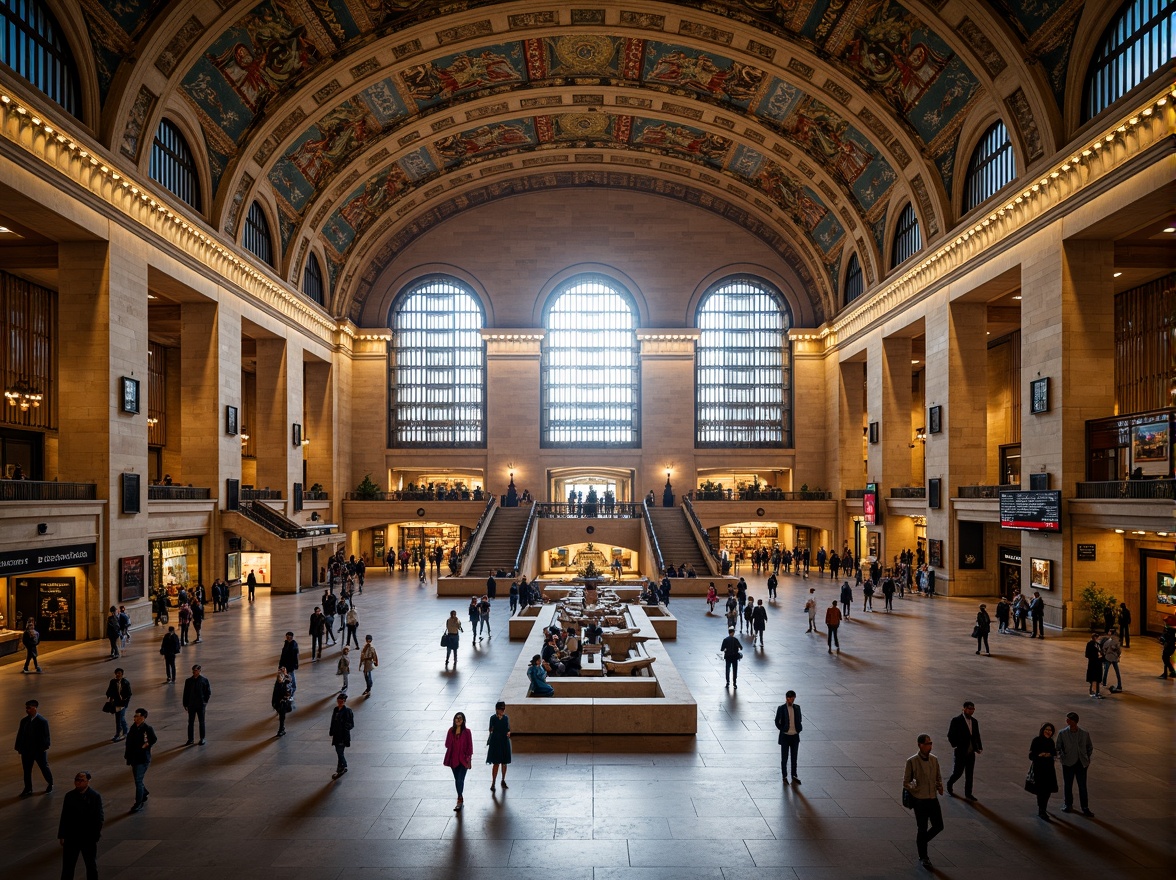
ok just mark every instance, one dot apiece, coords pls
pixel 32 741
pixel 1037 614
pixel 342 721
pixel 732 650
pixel 318 626
pixel 289 661
pixel 789 724
pixel 169 648
pixel 137 753
pixel 197 693
pixel 964 735
pixel 80 827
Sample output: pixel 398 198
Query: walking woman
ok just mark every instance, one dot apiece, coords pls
pixel 1094 666
pixel 498 745
pixel 459 754
pixel 712 597
pixel 281 699
pixel 983 627
pixel 1042 752
pixel 452 628
pixel 368 660
pixel 118 696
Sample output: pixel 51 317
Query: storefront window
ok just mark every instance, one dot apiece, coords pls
pixel 175 564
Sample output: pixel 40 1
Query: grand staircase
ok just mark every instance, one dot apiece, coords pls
pixel 500 546
pixel 676 539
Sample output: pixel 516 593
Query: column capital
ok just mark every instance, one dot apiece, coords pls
pixel 506 342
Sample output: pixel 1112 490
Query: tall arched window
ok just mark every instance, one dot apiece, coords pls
pixel 908 241
pixel 31 43
pixel 590 374
pixel 173 166
pixel 437 367
pixel 312 281
pixel 743 367
pixel 992 166
pixel 854 283
pixel 1140 41
pixel 256 235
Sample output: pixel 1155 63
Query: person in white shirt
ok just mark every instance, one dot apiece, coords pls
pixel 788 722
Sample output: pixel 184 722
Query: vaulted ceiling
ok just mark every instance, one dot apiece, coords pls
pixel 360 124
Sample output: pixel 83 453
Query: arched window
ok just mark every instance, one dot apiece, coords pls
pixel 743 367
pixel 173 166
pixel 312 281
pixel 437 367
pixel 31 43
pixel 1139 42
pixel 854 283
pixel 590 373
pixel 907 239
pixel 256 235
pixel 991 167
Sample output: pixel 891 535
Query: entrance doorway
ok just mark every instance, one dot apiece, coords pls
pixel 574 485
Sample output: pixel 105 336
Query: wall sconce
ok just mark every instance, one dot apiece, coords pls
pixel 24 395
pixel 920 437
pixel 305 441
pixel 151 423
pixel 244 435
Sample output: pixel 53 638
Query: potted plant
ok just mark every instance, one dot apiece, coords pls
pixel 367 490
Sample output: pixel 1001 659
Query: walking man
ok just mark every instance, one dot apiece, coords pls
pixel 289 661
pixel 773 583
pixel 1074 750
pixel 197 693
pixel 118 694
pixel 137 753
pixel 846 599
pixel 1110 649
pixel 788 723
pixel 732 650
pixel 30 638
pixel 1037 614
pixel 759 622
pixel 251 582
pixel 112 632
pixel 80 827
pixel 169 647
pixel 342 722
pixel 964 736
pixel 925 783
pixel 318 622
pixel 832 622
pixel 32 742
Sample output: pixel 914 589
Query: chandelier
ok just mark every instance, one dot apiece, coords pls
pixel 23 394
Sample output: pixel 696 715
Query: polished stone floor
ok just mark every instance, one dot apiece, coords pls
pixel 250 805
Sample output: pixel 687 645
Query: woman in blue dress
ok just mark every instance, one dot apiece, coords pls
pixel 538 676
pixel 498 745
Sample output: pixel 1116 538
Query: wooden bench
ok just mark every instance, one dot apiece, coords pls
pixel 628 667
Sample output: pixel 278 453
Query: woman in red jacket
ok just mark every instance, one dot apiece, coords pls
pixel 459 754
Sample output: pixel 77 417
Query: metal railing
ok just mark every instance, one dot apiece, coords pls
pixel 311 495
pixel 1129 489
pixel 178 493
pixel 854 493
pixel 908 492
pixel 705 535
pixel 518 560
pixel 562 510
pixel 472 541
pixel 406 495
pixel 992 492
pixel 659 563
pixel 46 490
pixel 272 521
pixel 261 494
pixel 761 495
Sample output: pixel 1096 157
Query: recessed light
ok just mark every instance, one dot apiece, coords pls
pixel 1170 229
pixel 1118 531
pixel 4 229
pixel 1117 274
pixel 1018 296
pixel 915 361
pixel 1139 533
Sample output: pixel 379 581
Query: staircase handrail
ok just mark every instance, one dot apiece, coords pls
pixel 701 534
pixel 518 560
pixel 474 541
pixel 647 518
pixel 271 521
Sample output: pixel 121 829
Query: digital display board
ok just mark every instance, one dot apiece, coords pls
pixel 1034 511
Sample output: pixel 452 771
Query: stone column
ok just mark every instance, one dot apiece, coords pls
pixel 1067 322
pixel 512 388
pixel 276 454
pixel 667 411
pixel 368 402
pixel 102 337
pixel 888 379
pixel 210 353
pixel 849 414
pixel 320 426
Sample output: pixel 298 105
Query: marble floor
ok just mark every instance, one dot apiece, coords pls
pixel 250 805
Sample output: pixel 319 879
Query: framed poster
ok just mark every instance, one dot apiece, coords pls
pixel 231 420
pixel 130 493
pixel 935 553
pixel 296 435
pixel 129 394
pixel 1039 573
pixel 873 432
pixel 1150 447
pixel 873 544
pixel 1039 395
pixel 934 493
pixel 130 578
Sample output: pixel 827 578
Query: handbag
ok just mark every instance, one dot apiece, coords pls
pixel 108 707
pixel 445 640
pixel 1030 781
pixel 976 631
pixel 908 799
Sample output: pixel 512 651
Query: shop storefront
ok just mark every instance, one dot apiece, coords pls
pixel 1009 570
pixel 747 538
pixel 176 564
pixel 1157 587
pixel 415 536
pixel 46 586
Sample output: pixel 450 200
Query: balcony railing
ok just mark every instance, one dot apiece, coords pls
pixel 178 493
pixel 311 495
pixel 1129 489
pixel 992 492
pixel 413 495
pixel 855 493
pixel 908 492
pixel 44 490
pixel 760 495
pixel 261 494
pixel 615 510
